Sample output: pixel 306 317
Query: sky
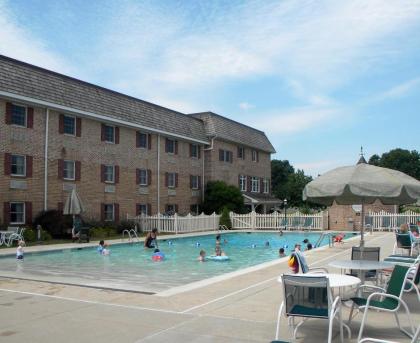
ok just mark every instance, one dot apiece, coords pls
pixel 320 78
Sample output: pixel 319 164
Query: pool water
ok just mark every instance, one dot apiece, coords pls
pixel 130 267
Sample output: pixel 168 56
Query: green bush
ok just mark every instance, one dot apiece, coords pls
pixel 30 235
pixel 225 218
pixel 54 222
pixel 218 195
pixel 103 232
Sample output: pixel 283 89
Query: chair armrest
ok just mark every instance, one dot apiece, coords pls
pixel 371 286
pixel 377 294
pixel 318 270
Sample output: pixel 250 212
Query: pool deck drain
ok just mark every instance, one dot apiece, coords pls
pixel 242 308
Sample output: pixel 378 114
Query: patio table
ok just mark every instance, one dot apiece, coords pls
pixel 361 266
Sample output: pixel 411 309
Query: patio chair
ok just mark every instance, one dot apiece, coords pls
pixel 386 223
pixel 303 265
pixel 309 296
pixel 369 254
pixel 375 340
pixel 308 223
pixel 389 300
pixel 368 223
pixel 403 241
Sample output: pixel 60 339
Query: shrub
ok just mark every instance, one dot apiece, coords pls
pixel 54 222
pixel 225 218
pixel 218 195
pixel 30 235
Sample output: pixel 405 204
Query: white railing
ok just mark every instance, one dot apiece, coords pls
pixel 176 223
pixel 276 221
pixel 380 221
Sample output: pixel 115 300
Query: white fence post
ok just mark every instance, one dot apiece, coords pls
pixel 176 223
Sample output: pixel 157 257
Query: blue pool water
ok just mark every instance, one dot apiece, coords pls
pixel 130 265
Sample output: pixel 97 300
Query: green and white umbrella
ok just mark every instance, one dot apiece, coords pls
pixel 362 184
pixel 73 205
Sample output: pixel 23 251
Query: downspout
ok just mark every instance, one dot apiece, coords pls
pixel 47 117
pixel 202 178
pixel 158 174
pixel 204 150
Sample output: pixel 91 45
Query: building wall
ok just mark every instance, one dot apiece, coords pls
pixel 92 152
pixel 229 172
pixel 340 215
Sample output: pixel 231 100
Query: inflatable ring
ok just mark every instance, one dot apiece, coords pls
pixel 218 258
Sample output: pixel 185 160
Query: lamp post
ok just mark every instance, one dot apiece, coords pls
pixel 285 213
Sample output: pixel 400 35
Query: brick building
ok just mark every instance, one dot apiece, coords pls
pixel 122 154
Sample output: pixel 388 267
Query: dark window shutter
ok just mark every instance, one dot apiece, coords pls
pixel 78 165
pixel 191 150
pixel 199 151
pixel 7 163
pixel 262 185
pixel 149 209
pixel 117 174
pixel 61 124
pixel 29 162
pixel 30 118
pixel 166 144
pixel 8 118
pixel 60 207
pixel 138 209
pixel 102 212
pixel 78 127
pixel 239 181
pixel 176 208
pixel 191 181
pixel 176 180
pixel 258 156
pixel 230 156
pixel 102 173
pixel 176 147
pixel 116 212
pixel 6 213
pixel 166 179
pixel 137 139
pixel 149 177
pixel 60 169
pixel 243 154
pixel 239 152
pixel 28 212
pixel 137 176
pixel 149 141
pixel 199 182
pixel 117 135
pixel 248 187
pixel 102 132
pixel 221 153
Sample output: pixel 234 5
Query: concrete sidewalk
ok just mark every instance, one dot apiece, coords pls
pixel 240 309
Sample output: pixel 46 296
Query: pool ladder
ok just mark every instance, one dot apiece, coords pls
pixel 132 235
pixel 319 241
pixel 223 227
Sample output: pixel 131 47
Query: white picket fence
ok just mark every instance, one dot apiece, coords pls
pixel 176 223
pixel 380 221
pixel 276 221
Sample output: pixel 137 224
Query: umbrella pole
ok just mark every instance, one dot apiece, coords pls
pixel 362 227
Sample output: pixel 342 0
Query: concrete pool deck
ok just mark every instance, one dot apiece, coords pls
pixel 242 308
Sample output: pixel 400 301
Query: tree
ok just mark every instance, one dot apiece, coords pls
pixel 399 159
pixel 280 171
pixel 296 182
pixel 225 218
pixel 219 195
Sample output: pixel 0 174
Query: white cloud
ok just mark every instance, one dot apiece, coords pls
pixel 246 106
pixel 16 42
pixel 400 90
pixel 295 120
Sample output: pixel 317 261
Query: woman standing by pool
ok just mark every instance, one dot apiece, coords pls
pixel 151 239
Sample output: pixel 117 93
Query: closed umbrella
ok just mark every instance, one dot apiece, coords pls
pixel 362 184
pixel 73 205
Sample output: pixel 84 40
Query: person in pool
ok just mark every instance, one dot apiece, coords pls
pixel 100 247
pixel 19 250
pixel 158 255
pixel 218 238
pixel 218 251
pixel 202 257
pixel 151 240
pixel 281 252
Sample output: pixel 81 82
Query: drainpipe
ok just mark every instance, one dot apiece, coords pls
pixel 47 117
pixel 202 178
pixel 211 144
pixel 204 150
pixel 158 174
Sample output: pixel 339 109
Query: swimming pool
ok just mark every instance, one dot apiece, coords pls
pixel 130 266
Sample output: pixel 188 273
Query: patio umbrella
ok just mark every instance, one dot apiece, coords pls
pixel 73 205
pixel 362 184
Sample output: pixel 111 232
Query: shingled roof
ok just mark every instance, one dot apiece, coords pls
pixel 27 80
pixel 232 131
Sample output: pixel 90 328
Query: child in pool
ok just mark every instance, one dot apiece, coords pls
pixel 105 250
pixel 19 250
pixel 202 256
pixel 281 252
pixel 219 251
pixel 100 247
pixel 158 255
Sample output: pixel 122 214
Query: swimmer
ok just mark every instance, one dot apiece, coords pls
pixel 100 247
pixel 219 251
pixel 105 250
pixel 202 257
pixel 309 246
pixel 197 244
pixel 306 241
pixel 19 250
pixel 218 237
pixel 267 244
pixel 253 246
pixel 281 252
pixel 151 239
